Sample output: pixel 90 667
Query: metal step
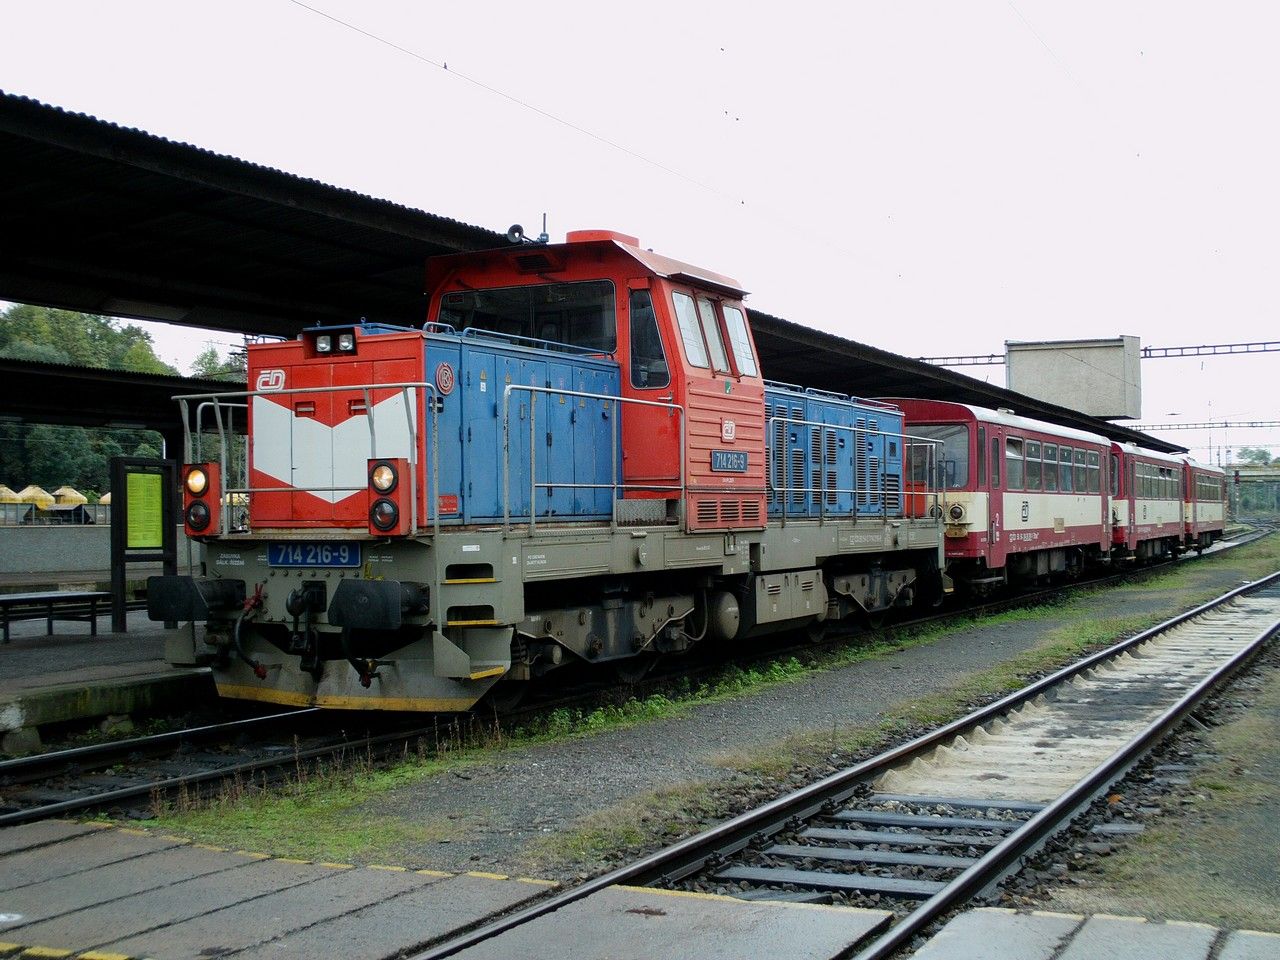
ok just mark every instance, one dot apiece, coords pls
pixel 896 857
pixel 892 886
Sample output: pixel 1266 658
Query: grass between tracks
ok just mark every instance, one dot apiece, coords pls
pixel 317 813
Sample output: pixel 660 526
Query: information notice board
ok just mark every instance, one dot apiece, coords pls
pixel 144 517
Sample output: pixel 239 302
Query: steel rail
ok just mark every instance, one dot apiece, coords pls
pixel 136 791
pixel 693 853
pixel 1006 855
pixel 58 762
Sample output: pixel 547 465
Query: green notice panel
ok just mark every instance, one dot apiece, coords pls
pixel 145 510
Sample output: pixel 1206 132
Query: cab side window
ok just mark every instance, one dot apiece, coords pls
pixel 648 362
pixel 740 341
pixel 695 351
pixel 711 330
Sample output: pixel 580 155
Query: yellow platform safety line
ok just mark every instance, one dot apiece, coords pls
pixel 253 854
pixel 334 865
pixel 292 860
pixel 46 953
pixel 7 948
pixel 487 876
pixel 538 883
pixel 471 580
pixel 103 955
pixel 491 672
pixel 434 873
pixel 210 846
pixel 384 866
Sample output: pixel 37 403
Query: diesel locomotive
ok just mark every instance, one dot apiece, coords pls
pixel 574 460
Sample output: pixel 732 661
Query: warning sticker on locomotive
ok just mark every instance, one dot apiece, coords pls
pixel 728 461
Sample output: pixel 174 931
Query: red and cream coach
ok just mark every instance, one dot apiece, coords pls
pixel 1022 498
pixel 1204 503
pixel 1147 502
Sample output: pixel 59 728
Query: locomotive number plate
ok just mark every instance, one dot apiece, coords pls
pixel 336 554
pixel 728 461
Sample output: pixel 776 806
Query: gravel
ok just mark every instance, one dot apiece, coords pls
pixel 514 806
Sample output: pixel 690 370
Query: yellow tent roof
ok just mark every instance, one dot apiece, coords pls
pixel 7 495
pixel 65 494
pixel 36 495
pixel 105 498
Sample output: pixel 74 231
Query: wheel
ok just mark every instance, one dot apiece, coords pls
pixel 634 669
pixel 506 695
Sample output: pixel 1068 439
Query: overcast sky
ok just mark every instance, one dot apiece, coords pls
pixel 930 178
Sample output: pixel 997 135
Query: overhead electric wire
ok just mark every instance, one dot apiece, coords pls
pixel 511 98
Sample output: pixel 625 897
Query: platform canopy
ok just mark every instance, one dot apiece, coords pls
pixel 116 221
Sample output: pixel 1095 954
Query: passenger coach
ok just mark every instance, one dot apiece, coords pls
pixel 1022 498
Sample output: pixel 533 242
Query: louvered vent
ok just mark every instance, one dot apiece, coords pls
pixel 728 511
pixel 707 512
pixel 533 263
pixel 750 511
pixel 892 492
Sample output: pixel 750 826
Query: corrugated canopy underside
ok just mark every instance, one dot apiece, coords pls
pixel 111 220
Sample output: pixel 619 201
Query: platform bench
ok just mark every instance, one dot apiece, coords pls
pixel 52 605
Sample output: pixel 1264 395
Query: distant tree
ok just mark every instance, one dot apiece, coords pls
pixel 213 366
pixel 41 352
pixel 1258 455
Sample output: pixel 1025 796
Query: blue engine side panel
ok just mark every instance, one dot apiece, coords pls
pixel 574 439
pixel 829 455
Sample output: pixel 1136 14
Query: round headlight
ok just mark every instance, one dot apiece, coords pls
pixel 197 481
pixel 198 515
pixel 383 477
pixel 935 511
pixel 956 512
pixel 384 515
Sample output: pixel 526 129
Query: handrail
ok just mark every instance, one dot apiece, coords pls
pixel 779 458
pixel 479 333
pixel 614 485
pixel 218 401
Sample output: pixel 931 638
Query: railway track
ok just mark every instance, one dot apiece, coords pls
pixel 930 824
pixel 129 775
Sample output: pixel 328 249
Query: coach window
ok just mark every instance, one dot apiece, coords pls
pixel 1013 465
pixel 711 330
pixel 648 362
pixel 1051 467
pixel 995 463
pixel 1095 472
pixel 1115 475
pixel 1081 471
pixel 1033 465
pixel 982 457
pixel 695 351
pixel 1064 471
pixel 740 341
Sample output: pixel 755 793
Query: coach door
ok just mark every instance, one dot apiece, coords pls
pixel 995 498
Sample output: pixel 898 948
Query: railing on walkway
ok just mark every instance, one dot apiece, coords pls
pixel 220 402
pixel 615 484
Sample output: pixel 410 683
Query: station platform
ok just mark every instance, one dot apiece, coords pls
pixel 69 889
pixel 74 676
pixel 998 934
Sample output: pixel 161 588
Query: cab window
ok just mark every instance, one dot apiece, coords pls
pixel 952 452
pixel 711 330
pixel 579 314
pixel 648 362
pixel 740 341
pixel 695 351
